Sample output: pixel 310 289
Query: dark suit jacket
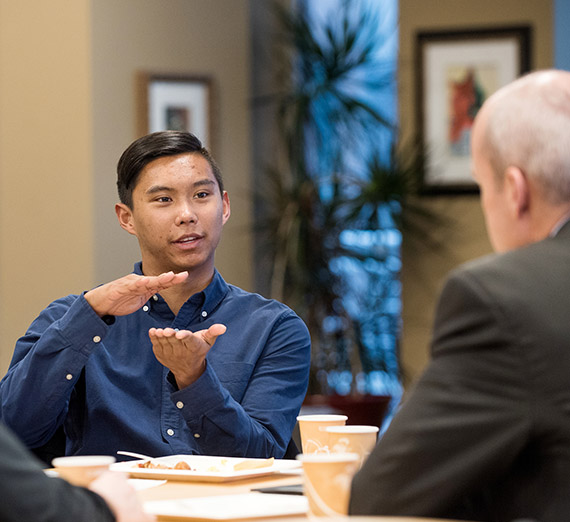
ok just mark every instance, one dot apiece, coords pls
pixel 27 494
pixel 485 434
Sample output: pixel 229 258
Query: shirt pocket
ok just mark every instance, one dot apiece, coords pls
pixel 235 377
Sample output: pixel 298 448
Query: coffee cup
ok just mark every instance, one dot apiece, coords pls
pixel 352 439
pixel 313 436
pixel 81 470
pixel 327 480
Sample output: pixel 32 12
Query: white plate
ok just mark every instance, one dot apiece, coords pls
pixel 204 468
pixel 229 507
pixel 140 484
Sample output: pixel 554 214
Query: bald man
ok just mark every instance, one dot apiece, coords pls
pixel 485 434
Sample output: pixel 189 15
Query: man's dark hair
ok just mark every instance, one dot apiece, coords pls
pixel 153 146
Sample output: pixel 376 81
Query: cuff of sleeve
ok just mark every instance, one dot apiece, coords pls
pixel 82 327
pixel 200 397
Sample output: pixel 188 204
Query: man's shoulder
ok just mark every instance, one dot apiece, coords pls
pixel 255 298
pixel 520 270
pixel 534 256
pixel 261 305
pixel 484 266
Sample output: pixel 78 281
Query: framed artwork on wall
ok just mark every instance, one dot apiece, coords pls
pixel 175 102
pixel 456 72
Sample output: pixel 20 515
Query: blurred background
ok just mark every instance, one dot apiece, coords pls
pixel 70 103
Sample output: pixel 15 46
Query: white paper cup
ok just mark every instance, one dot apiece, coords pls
pixel 313 436
pixel 352 439
pixel 81 470
pixel 327 480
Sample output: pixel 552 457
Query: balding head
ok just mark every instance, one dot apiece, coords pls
pixel 527 125
pixel 521 158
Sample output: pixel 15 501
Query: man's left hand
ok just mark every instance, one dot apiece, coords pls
pixel 184 352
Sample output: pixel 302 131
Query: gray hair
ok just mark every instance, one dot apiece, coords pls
pixel 528 127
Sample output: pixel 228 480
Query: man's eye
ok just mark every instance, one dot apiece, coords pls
pixel 201 195
pixel 163 199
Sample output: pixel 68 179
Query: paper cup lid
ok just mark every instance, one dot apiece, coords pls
pixel 83 460
pixel 352 429
pixel 322 418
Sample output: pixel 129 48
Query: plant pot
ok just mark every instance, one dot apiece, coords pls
pixel 360 409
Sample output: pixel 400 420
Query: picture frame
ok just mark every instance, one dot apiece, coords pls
pixel 456 71
pixel 176 102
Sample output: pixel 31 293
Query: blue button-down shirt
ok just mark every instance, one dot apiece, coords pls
pixel 105 385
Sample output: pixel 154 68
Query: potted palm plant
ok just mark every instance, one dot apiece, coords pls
pixel 334 202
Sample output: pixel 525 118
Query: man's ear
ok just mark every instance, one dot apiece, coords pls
pixel 125 217
pixel 226 211
pixel 518 191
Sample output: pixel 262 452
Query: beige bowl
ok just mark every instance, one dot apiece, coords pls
pixel 81 470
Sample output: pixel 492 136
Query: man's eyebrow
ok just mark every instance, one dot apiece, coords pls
pixel 165 188
pixel 158 188
pixel 206 182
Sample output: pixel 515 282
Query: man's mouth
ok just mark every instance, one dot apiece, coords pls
pixel 187 239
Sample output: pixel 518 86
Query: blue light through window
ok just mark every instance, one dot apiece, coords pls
pixel 371 287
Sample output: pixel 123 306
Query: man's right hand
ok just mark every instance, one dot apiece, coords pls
pixel 120 497
pixel 127 294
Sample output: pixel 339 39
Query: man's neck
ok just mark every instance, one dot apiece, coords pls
pixel 177 295
pixel 545 219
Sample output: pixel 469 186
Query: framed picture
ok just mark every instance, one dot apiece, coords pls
pixel 456 72
pixel 175 102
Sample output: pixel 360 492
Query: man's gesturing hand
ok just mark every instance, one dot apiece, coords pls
pixel 184 352
pixel 127 294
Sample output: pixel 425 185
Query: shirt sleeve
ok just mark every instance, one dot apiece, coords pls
pixel 261 423
pixel 28 494
pixel 464 423
pixel 47 363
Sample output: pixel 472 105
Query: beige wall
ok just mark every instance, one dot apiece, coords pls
pixel 67 110
pixel 465 237
pixel 67 72
pixel 195 37
pixel 46 212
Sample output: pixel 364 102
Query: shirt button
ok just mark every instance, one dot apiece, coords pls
pixel 96 339
pixel 155 297
pixel 145 308
pixel 180 405
pixel 69 376
pixel 170 431
pixel 204 313
pixel 196 435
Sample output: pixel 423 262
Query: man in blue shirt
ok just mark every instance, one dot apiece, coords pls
pixel 170 359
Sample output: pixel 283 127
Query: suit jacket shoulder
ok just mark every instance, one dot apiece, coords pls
pixel 485 434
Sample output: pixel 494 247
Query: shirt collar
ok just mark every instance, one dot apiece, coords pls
pixel 559 225
pixel 212 295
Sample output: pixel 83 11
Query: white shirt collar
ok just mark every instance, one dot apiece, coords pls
pixel 559 224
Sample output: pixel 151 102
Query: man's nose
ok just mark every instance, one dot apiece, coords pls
pixel 185 214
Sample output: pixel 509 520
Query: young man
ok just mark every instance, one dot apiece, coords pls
pixel 170 359
pixel 485 435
